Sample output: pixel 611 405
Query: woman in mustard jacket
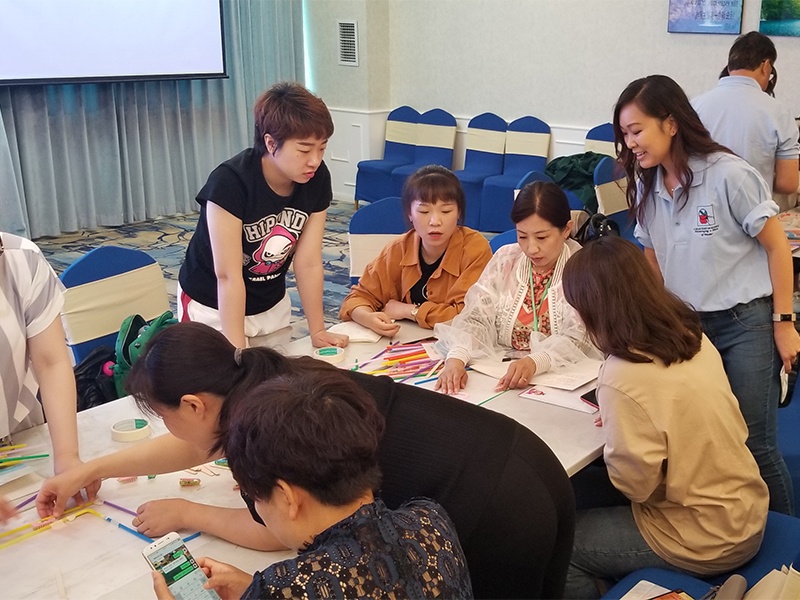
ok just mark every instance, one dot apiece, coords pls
pixel 423 275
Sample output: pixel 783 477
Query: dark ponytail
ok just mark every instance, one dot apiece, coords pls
pixel 192 358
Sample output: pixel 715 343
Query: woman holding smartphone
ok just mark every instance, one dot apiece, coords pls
pixel 191 376
pixel 696 501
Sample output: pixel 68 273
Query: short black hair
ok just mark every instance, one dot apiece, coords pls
pixel 750 50
pixel 315 429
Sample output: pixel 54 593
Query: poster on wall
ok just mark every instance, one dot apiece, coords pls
pixel 705 16
pixel 779 17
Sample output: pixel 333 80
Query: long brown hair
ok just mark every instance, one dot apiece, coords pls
pixel 625 307
pixel 660 97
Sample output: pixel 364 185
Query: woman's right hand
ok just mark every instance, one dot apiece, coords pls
pixel 56 491
pixel 379 322
pixel 225 579
pixel 453 377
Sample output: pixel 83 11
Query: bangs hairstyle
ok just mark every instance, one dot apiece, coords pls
pixel 432 184
pixel 316 429
pixel 193 358
pixel 660 97
pixel 627 311
pixel 545 199
pixel 287 110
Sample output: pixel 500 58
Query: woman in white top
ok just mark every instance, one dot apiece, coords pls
pixel 517 310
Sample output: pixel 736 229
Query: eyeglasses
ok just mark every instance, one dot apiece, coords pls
pixel 1 246
pixel 773 79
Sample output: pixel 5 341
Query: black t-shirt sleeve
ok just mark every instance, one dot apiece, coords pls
pixel 226 189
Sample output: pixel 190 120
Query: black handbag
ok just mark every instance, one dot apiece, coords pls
pixel 595 227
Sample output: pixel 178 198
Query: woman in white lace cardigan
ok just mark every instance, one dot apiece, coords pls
pixel 517 309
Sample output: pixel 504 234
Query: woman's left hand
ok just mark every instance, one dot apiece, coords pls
pixel 788 343
pixel 518 375
pixel 326 338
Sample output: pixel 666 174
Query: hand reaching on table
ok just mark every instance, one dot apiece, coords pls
pixel 453 377
pixel 159 517
pixel 324 338
pixel 518 375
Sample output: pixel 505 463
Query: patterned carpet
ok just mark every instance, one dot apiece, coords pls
pixel 165 240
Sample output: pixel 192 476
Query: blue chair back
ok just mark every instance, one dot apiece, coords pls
pixel 372 227
pixel 400 141
pixel 574 202
pixel 527 146
pixel 436 138
pixel 485 144
pixel 533 176
pixel 503 239
pixel 104 287
pixel 600 139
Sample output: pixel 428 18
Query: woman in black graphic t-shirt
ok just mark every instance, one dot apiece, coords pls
pixel 260 210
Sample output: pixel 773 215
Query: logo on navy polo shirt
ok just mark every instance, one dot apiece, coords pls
pixel 706 222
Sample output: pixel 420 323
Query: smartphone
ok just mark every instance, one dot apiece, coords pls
pixel 170 556
pixel 590 398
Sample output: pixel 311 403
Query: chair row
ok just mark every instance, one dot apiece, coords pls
pixel 412 140
pixel 498 155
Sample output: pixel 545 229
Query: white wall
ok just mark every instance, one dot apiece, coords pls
pixel 564 61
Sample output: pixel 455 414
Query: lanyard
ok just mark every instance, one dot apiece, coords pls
pixel 537 307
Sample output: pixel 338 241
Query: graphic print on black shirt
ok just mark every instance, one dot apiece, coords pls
pixel 277 236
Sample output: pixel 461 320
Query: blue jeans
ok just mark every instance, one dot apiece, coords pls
pixel 743 335
pixel 607 547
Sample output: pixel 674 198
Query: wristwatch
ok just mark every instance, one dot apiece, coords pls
pixel 414 311
pixel 778 317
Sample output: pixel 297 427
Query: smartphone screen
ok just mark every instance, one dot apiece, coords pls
pixel 590 398
pixel 184 577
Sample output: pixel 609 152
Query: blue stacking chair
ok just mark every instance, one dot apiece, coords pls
pixel 780 547
pixel 372 227
pixel 574 202
pixel 600 139
pixel 436 138
pixel 373 177
pixel 527 146
pixel 503 239
pixel 789 442
pixel 104 287
pixel 485 146
pixel 609 187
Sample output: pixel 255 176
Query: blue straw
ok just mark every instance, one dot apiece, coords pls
pixel 129 530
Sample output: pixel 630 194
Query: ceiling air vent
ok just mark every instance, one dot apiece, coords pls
pixel 348 43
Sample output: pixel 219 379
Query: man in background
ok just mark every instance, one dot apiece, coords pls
pixel 740 115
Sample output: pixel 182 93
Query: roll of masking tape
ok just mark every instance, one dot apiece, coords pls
pixel 330 354
pixel 130 430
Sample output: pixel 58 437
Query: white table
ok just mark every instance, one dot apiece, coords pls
pixel 571 434
pixel 93 558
